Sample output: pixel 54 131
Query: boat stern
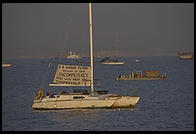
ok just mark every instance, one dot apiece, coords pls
pixel 126 102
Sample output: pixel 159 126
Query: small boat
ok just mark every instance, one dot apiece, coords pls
pixel 73 55
pixel 110 61
pixel 186 56
pixel 137 60
pixel 145 75
pixel 72 75
pixel 5 64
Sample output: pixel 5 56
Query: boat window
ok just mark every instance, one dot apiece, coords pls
pixel 80 91
pixel 78 97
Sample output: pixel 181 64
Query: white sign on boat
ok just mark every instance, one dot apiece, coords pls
pixel 70 75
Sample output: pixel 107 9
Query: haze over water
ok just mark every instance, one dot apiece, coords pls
pixel 34 30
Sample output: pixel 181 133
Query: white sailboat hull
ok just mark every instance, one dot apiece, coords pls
pixel 102 101
pixel 72 104
pixel 68 102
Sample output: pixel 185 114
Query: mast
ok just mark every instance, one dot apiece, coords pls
pixel 117 45
pixel 91 46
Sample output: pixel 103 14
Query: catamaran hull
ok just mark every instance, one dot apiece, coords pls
pixel 73 104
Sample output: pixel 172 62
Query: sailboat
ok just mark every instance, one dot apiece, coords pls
pixel 71 75
pixel 113 61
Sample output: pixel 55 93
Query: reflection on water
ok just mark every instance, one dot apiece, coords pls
pixel 83 118
pixel 85 112
pixel 81 114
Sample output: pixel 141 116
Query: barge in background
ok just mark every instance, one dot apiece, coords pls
pixel 143 75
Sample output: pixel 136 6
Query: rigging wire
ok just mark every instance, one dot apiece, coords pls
pixel 68 29
pixel 44 78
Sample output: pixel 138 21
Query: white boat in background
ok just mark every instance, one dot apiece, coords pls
pixel 110 61
pixel 137 60
pixel 5 64
pixel 70 76
pixel 186 56
pixel 73 55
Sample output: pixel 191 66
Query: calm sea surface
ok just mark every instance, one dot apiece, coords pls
pixel 164 105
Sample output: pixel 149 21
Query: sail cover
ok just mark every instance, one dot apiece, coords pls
pixel 70 75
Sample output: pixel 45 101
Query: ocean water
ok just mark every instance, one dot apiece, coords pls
pixel 164 105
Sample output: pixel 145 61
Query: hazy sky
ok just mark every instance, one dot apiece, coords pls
pixel 49 29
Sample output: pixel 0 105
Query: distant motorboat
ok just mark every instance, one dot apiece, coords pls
pixel 137 60
pixel 186 56
pixel 5 64
pixel 73 55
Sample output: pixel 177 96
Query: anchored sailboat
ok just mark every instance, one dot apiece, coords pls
pixel 110 60
pixel 70 75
